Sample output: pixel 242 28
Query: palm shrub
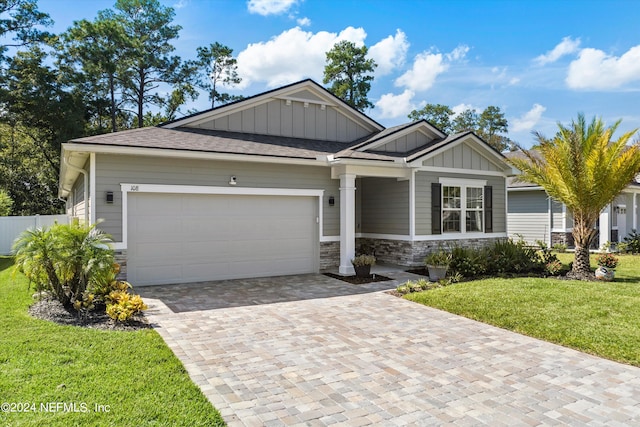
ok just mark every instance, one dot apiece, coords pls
pixel 64 259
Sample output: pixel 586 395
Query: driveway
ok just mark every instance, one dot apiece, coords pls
pixel 311 350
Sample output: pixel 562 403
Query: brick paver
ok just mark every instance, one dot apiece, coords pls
pixel 311 350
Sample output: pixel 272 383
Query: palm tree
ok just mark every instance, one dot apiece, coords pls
pixel 584 169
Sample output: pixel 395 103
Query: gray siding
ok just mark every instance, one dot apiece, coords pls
pixel 112 170
pixel 462 156
pixel 405 143
pixel 384 206
pixel 76 204
pixel 423 199
pixel 529 215
pixel 277 118
pixel 556 219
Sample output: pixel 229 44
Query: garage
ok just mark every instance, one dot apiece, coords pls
pixel 182 238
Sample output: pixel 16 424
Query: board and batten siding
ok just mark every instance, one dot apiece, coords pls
pixel 295 120
pixel 405 143
pixel 528 215
pixel 462 156
pixel 384 206
pixel 112 170
pixel 423 183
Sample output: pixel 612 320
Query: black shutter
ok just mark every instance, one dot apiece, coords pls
pixel 436 208
pixel 488 209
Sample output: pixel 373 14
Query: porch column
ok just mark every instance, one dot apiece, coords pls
pixel 605 226
pixel 347 222
pixel 634 209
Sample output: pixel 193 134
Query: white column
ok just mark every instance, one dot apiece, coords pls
pixel 347 222
pixel 634 208
pixel 605 226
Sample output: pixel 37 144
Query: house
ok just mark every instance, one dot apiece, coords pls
pixel 289 181
pixel 534 216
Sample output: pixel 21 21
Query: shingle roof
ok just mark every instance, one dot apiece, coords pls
pixel 213 141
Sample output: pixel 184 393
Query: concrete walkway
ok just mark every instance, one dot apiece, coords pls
pixel 311 350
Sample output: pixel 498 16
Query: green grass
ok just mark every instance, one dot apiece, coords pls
pixel 600 318
pixel 132 374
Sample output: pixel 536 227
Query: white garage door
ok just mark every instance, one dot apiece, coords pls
pixel 174 238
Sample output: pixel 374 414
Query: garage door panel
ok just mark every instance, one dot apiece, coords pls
pixel 215 237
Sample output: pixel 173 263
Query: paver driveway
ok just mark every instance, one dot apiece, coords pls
pixel 311 350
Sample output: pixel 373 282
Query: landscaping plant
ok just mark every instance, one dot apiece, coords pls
pixel 64 259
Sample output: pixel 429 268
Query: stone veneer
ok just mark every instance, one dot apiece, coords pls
pixel 562 238
pixel 121 258
pixel 411 254
pixel 329 255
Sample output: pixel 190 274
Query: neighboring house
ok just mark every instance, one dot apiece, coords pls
pixel 289 181
pixel 534 216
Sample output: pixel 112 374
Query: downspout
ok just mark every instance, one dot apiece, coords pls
pixel 86 186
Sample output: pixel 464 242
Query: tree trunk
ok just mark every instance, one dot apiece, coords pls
pixel 581 264
pixel 112 91
pixel 583 235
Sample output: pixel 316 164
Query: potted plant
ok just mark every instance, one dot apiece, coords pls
pixel 438 263
pixel 606 266
pixel 362 265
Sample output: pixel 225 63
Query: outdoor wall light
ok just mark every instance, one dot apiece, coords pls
pixel 233 180
pixel 332 201
pixel 109 197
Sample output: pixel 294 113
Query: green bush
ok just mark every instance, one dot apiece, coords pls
pixel 468 262
pixel 64 259
pixel 632 242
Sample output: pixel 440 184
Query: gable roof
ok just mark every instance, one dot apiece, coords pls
pixel 319 96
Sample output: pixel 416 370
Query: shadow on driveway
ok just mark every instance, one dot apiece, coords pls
pixel 268 290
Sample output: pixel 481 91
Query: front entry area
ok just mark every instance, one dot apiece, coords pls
pixel 182 238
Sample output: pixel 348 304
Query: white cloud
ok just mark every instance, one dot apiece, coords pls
pixel 290 56
pixel 304 22
pixel 514 81
pixel 594 69
pixel 391 106
pixel 427 66
pixel 528 120
pixel 180 4
pixel 458 53
pixel 270 7
pixel 565 47
pixel 389 53
pixel 457 109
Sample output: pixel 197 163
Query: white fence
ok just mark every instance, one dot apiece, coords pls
pixel 12 226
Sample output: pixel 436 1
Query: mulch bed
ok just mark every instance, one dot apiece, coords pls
pixel 355 280
pixel 52 310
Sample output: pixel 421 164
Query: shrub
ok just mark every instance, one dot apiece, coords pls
pixel 632 242
pixel 122 305
pixel 559 247
pixel 468 262
pixel 64 259
pixel 607 260
pixel 553 267
pixel 439 258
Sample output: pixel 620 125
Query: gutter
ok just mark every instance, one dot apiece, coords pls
pixel 86 186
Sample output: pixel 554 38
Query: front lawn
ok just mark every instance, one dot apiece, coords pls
pixel 88 377
pixel 600 318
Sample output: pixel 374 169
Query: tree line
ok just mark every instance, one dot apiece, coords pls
pixel 117 71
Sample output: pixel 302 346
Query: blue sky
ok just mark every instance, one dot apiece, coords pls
pixel 540 61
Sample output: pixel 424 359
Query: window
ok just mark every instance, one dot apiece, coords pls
pixel 460 202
